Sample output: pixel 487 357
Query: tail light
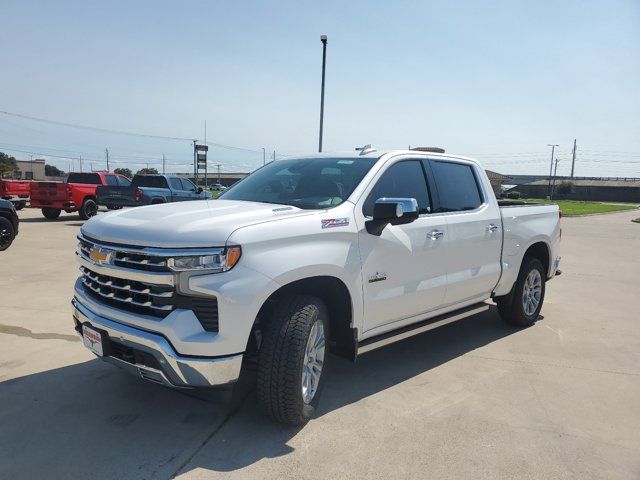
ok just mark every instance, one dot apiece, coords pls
pixel 69 190
pixel 138 194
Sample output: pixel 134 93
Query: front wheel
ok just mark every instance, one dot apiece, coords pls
pixel 7 233
pixel 292 359
pixel 523 307
pixel 20 205
pixel 51 213
pixel 89 209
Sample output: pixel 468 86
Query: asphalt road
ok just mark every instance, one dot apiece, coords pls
pixel 474 399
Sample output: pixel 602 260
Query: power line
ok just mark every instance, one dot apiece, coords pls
pixel 121 132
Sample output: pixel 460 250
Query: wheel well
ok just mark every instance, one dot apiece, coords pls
pixel 157 200
pixel 335 295
pixel 89 197
pixel 540 251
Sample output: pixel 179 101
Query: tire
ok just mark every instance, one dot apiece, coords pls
pixel 281 360
pixel 114 207
pixel 89 209
pixel 20 205
pixel 51 213
pixel 157 201
pixel 520 308
pixel 7 233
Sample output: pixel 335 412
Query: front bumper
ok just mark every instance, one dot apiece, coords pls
pixel 153 358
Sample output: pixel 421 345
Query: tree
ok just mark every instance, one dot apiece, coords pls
pixel 124 171
pixel 8 164
pixel 147 171
pixel 52 171
pixel 565 188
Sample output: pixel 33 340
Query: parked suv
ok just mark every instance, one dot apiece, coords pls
pixel 304 257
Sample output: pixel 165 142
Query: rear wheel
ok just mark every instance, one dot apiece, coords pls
pixel 292 359
pixel 89 209
pixel 523 307
pixel 7 233
pixel 20 205
pixel 51 213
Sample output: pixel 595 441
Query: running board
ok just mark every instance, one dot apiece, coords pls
pixel 419 327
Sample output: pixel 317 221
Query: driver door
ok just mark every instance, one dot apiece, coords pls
pixel 404 269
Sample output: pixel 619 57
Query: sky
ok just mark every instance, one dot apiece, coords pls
pixel 495 80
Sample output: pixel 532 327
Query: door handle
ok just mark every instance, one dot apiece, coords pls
pixel 492 227
pixel 435 234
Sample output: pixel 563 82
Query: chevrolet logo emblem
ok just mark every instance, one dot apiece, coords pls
pixel 100 255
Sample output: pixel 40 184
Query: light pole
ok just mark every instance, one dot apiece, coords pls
pixel 553 148
pixel 323 39
pixel 264 156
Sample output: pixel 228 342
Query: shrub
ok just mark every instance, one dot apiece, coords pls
pixel 514 194
pixel 565 188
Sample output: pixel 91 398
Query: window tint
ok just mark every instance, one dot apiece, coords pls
pixel 86 178
pixel 175 183
pixel 150 181
pixel 111 180
pixel 404 180
pixel 123 181
pixel 457 186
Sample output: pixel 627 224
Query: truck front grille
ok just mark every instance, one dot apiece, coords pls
pixel 148 299
pixel 129 259
pixel 129 295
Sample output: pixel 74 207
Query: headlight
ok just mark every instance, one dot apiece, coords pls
pixel 219 262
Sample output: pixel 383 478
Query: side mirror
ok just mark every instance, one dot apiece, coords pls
pixel 199 190
pixel 396 211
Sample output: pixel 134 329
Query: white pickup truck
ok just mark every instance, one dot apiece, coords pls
pixel 306 256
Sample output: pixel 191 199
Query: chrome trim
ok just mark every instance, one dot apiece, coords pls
pixel 125 288
pixel 154 251
pixel 128 300
pixel 143 276
pixel 179 371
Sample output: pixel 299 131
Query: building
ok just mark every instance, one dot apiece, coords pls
pixel 585 188
pixel 29 170
pixel 226 179
pixel 497 179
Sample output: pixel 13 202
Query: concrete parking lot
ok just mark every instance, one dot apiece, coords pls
pixel 473 399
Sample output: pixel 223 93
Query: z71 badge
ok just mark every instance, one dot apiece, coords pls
pixel 334 222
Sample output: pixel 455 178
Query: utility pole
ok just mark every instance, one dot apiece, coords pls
pixel 163 164
pixel 264 156
pixel 274 155
pixel 555 174
pixel 106 152
pixel 553 148
pixel 80 163
pixel 323 39
pixel 573 160
pixel 219 181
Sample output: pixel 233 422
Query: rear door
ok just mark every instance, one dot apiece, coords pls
pixel 473 230
pixel 177 190
pixel 404 268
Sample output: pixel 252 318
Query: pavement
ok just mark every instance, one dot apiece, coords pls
pixel 473 399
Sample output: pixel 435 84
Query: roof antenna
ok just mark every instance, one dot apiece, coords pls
pixel 366 149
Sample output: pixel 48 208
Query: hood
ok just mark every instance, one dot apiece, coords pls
pixel 203 223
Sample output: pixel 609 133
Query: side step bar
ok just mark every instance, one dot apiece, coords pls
pixel 420 327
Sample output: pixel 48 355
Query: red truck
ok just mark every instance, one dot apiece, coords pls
pixel 16 191
pixel 77 194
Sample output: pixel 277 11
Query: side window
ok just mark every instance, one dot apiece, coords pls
pixel 188 184
pixel 111 180
pixel 123 181
pixel 175 183
pixel 405 180
pixel 457 186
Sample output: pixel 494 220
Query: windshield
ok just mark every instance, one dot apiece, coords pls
pixel 315 183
